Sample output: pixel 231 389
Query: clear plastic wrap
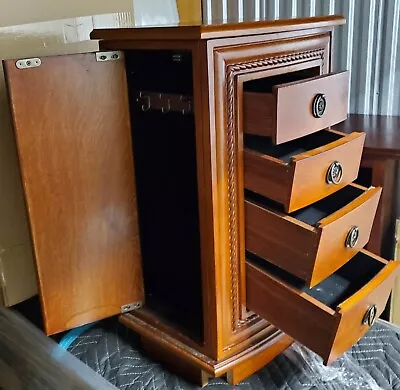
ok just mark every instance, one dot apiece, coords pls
pixel 358 368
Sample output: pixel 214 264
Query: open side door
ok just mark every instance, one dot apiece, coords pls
pixel 72 126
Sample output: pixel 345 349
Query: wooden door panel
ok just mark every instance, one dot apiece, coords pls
pixel 72 125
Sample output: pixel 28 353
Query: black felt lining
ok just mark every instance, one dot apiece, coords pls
pixel 314 213
pixel 287 150
pixel 266 84
pixel 341 285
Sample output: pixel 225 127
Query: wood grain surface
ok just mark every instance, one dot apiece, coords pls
pixel 281 240
pixel 294 114
pixel 170 347
pixel 30 360
pixel 286 113
pixel 233 335
pixel 299 315
pixel 261 55
pixel 310 170
pixel 318 250
pixel 327 332
pixel 259 114
pixel 332 252
pixel 352 311
pixel 383 134
pixel 268 176
pixel 183 368
pixel 72 126
pixel 218 30
pixel 302 181
pixel 380 154
pixel 248 367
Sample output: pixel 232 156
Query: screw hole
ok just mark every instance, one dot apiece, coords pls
pixel 103 57
pixel 114 56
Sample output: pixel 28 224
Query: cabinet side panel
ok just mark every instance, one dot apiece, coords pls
pixel 72 127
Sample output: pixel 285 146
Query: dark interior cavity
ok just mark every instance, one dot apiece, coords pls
pixel 164 149
pixel 287 150
pixel 341 285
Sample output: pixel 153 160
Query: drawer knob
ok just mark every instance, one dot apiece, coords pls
pixel 319 105
pixel 334 174
pixel 352 237
pixel 370 315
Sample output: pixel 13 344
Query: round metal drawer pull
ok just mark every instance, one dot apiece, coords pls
pixel 319 105
pixel 370 315
pixel 352 237
pixel 334 174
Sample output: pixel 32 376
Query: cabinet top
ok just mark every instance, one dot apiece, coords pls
pixel 217 30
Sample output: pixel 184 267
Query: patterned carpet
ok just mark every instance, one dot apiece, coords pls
pixel 373 363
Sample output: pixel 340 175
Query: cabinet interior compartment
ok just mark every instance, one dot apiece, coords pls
pixel 335 289
pixel 164 149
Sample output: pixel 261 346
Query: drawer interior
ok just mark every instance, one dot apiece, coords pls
pixel 287 150
pixel 341 285
pixel 266 84
pixel 315 212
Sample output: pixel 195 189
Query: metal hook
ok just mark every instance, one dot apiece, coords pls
pixel 189 105
pixel 148 106
pixel 163 110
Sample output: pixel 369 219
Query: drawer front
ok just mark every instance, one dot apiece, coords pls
pixel 311 252
pixel 296 109
pixel 344 234
pixel 361 310
pixel 321 172
pixel 327 331
pixel 309 177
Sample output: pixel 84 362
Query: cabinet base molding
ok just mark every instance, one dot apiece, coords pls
pixel 198 368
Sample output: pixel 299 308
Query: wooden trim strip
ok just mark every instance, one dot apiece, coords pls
pixel 368 194
pixel 305 81
pixel 332 145
pixel 191 355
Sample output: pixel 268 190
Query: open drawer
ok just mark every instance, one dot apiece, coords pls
pixel 317 240
pixel 302 171
pixel 293 110
pixel 330 317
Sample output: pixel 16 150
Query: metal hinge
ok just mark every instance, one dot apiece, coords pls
pixel 131 306
pixel 26 63
pixel 108 56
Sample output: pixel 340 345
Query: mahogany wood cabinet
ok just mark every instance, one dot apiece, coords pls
pixel 189 179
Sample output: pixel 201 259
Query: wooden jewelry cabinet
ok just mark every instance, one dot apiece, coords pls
pixel 189 178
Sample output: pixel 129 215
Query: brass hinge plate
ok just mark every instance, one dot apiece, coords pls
pixel 103 56
pixel 131 306
pixel 26 63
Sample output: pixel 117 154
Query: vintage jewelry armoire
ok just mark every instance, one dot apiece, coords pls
pixel 191 178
